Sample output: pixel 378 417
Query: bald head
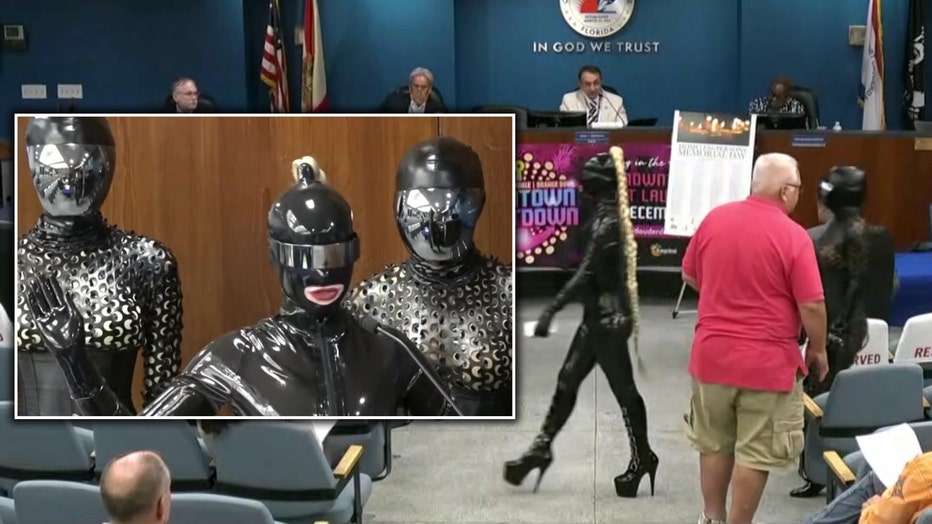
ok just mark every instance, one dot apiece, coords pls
pixel 133 487
pixel 772 173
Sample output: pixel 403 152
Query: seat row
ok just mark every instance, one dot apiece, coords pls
pixel 280 464
pixel 64 502
pixel 913 345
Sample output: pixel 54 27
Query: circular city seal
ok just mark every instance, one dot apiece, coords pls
pixel 597 18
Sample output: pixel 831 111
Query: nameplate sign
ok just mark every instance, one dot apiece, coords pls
pixel 592 137
pixel 622 47
pixel 808 141
pixel 923 144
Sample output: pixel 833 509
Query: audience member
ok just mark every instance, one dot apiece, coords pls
pixel 778 100
pixel 868 501
pixel 757 278
pixel 136 489
pixel 419 96
pixel 591 98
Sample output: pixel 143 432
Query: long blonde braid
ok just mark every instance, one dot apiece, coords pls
pixel 630 246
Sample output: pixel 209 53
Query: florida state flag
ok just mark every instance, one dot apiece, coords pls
pixel 313 73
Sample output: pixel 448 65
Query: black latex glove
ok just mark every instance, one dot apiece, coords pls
pixel 61 328
pixel 59 322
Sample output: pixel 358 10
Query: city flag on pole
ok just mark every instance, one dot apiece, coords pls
pixel 872 71
pixel 313 73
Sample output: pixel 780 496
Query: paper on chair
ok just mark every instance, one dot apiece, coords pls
pixel 322 429
pixel 529 328
pixel 888 451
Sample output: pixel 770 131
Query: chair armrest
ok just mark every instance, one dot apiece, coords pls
pixel 839 469
pixel 812 409
pixel 349 462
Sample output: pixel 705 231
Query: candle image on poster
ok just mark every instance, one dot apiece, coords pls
pixel 551 211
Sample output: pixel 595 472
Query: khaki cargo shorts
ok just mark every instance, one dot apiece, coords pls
pixel 763 429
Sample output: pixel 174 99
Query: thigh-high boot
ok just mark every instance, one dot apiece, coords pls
pixel 578 364
pixel 615 362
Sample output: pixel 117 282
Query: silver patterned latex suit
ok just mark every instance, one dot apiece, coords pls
pixel 311 359
pixel 452 301
pixel 125 286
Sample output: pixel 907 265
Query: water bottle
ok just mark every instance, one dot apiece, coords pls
pixel 837 126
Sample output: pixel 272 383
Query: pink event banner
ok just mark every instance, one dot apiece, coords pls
pixel 550 211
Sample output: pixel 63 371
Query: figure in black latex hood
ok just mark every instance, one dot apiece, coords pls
pixel 603 283
pixel 125 286
pixel 448 298
pixel 842 249
pixel 311 359
pixel 313 244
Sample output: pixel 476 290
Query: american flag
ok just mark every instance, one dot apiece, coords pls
pixel 273 73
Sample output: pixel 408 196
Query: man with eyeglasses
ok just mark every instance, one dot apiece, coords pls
pixel 758 280
pixel 419 96
pixel 185 98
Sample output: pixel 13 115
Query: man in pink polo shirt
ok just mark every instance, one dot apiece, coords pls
pixel 756 273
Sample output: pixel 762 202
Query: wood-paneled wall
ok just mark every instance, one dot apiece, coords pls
pixel 204 185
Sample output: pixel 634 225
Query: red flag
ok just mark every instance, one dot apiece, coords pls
pixel 273 72
pixel 313 73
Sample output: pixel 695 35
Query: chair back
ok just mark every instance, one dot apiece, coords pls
pixel 7 511
pixel 209 508
pixel 881 272
pixel 519 112
pixel 287 477
pixel 916 341
pixel 810 103
pixel 48 449
pixel 877 350
pixel 59 502
pixel 875 397
pixel 175 440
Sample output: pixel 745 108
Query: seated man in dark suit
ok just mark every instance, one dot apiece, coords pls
pixel 185 98
pixel 418 97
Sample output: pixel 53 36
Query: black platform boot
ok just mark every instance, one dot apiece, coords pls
pixel 538 457
pixel 643 460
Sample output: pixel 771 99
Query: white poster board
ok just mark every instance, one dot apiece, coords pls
pixel 711 159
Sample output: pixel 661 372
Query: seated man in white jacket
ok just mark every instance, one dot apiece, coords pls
pixel 598 104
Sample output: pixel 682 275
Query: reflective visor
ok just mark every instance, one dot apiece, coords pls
pixel 307 256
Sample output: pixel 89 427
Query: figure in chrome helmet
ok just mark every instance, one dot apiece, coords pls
pixel 448 298
pixel 125 287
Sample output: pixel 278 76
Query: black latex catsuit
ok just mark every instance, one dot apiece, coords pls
pixel 125 286
pixel 310 359
pixel 599 282
pixel 842 250
pixel 452 301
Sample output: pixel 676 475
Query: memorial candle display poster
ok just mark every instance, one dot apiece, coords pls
pixel 711 158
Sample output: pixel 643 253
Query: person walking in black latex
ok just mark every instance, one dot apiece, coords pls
pixel 605 283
